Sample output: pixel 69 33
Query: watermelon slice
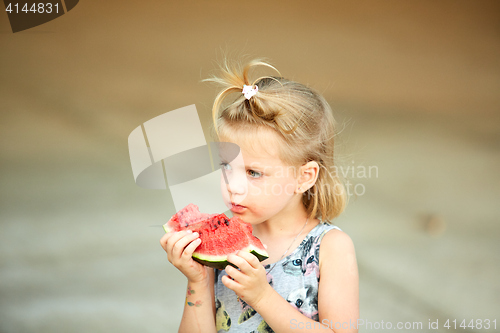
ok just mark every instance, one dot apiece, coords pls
pixel 219 236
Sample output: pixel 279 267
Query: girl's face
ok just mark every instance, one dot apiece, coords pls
pixel 257 185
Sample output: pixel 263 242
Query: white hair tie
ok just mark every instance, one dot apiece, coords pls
pixel 249 91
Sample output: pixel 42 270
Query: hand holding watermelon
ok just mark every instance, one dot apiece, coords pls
pixel 180 247
pixel 219 237
pixel 250 281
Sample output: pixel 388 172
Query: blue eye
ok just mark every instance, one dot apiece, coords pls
pixel 251 173
pixel 297 262
pixel 225 166
pixel 254 174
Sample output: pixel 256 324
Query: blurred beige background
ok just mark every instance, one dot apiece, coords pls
pixel 414 85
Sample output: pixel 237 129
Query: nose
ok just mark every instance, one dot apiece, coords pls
pixel 236 184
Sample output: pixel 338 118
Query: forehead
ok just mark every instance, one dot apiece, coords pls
pixel 259 145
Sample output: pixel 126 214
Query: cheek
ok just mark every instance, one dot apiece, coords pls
pixel 223 189
pixel 256 188
pixel 282 188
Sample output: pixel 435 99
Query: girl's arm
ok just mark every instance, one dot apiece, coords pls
pixel 338 295
pixel 199 307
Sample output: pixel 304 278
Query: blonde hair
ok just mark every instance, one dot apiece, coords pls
pixel 302 119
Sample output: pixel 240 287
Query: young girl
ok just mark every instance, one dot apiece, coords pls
pixel 291 192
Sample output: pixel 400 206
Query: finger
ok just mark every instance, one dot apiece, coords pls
pixel 191 247
pixel 181 244
pixel 250 258
pixel 172 240
pixel 164 239
pixel 231 284
pixel 240 262
pixel 234 273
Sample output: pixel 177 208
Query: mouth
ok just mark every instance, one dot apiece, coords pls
pixel 237 208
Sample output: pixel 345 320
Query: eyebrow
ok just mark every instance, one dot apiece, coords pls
pixel 254 167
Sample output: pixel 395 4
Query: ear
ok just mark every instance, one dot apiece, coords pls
pixel 308 174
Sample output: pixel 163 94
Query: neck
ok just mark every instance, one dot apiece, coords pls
pixel 284 225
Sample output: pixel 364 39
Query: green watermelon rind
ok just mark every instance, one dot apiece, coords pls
pixel 220 262
pixel 220 265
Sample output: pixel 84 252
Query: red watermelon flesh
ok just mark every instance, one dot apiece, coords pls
pixel 219 236
pixel 185 217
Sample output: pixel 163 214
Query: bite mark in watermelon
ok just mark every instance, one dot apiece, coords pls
pixel 220 236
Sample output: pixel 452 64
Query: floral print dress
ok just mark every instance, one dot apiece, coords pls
pixel 295 278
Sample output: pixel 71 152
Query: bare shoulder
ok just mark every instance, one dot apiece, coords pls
pixel 336 247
